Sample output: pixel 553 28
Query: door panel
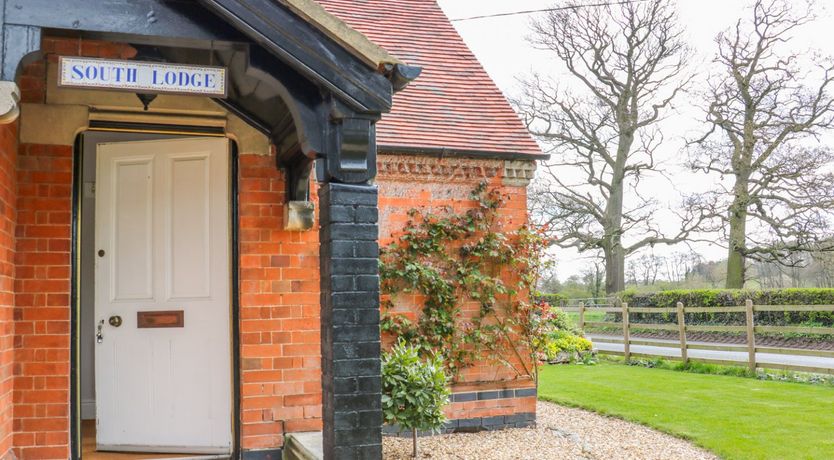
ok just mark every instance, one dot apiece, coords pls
pixel 188 232
pixel 162 221
pixel 132 212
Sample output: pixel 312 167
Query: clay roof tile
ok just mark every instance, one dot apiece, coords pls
pixel 454 104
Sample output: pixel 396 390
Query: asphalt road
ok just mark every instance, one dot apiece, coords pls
pixel 763 359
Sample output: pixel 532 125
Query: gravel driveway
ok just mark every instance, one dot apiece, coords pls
pixel 562 433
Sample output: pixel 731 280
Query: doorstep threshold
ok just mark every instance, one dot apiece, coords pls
pixel 197 457
pixel 303 446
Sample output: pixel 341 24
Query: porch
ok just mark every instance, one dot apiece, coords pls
pixel 294 280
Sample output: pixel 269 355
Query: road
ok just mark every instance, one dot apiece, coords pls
pixel 763 359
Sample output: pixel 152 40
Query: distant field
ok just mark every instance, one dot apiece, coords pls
pixel 590 316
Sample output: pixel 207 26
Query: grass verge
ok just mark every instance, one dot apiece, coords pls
pixel 718 369
pixel 734 417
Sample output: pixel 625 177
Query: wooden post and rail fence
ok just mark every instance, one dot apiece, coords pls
pixel 679 312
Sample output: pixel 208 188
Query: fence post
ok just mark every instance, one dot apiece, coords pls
pixel 626 339
pixel 682 332
pixel 581 316
pixel 751 336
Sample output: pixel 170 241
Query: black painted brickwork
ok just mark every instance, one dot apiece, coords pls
pixel 468 425
pixel 350 347
pixel 493 394
pixel 266 454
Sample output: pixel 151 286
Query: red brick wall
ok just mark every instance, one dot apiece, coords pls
pixel 279 311
pixel 42 313
pixel 42 273
pixel 279 283
pixel 408 182
pixel 8 219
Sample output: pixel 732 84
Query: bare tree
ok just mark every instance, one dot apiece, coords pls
pixel 593 277
pixel 645 269
pixel 765 113
pixel 681 265
pixel 823 266
pixel 768 275
pixel 628 63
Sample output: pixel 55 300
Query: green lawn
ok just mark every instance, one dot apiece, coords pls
pixel 590 316
pixel 737 418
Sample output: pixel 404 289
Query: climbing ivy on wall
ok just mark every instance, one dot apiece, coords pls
pixel 451 260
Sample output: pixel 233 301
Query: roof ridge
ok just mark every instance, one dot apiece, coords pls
pixel 335 28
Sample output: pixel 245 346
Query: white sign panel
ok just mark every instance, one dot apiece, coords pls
pixel 142 77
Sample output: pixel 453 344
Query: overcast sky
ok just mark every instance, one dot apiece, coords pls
pixel 500 44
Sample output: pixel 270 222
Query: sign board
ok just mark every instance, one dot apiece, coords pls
pixel 142 77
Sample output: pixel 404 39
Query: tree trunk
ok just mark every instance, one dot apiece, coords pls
pixel 736 259
pixel 615 269
pixel 414 442
pixel 735 269
pixel 614 251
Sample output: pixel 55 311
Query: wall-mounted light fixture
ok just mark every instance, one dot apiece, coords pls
pixel 148 54
pixel 146 99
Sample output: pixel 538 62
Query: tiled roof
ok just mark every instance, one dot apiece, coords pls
pixel 454 104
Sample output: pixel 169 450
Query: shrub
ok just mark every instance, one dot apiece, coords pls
pixel 559 334
pixel 414 391
pixel 736 297
pixel 564 341
pixel 560 321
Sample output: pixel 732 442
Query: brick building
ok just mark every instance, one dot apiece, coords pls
pixel 184 271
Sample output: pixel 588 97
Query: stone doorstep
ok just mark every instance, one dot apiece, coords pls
pixel 198 457
pixel 303 446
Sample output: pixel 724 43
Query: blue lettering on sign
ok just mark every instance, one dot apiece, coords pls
pixel 184 79
pixel 77 74
pixel 148 76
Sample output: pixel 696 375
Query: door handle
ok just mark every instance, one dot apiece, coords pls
pixel 99 335
pixel 115 321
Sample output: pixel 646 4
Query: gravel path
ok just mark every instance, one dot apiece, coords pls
pixel 562 433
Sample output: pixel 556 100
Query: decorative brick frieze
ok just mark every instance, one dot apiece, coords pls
pixel 418 168
pixel 513 173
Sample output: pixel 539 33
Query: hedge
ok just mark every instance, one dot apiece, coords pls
pixel 555 300
pixel 736 297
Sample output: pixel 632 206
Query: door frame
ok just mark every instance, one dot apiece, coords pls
pixel 130 130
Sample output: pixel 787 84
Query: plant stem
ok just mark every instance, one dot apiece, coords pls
pixel 414 442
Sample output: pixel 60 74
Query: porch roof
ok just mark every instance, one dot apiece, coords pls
pixel 454 107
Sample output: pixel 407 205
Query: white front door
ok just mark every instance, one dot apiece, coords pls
pixel 163 376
